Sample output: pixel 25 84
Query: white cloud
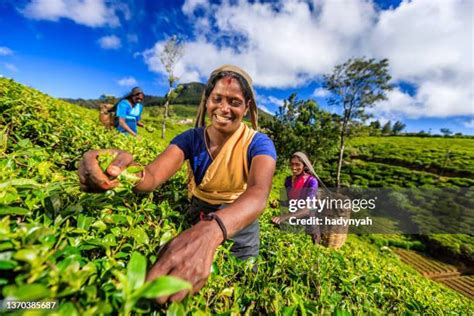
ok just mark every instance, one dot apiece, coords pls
pixel 110 42
pixel 264 109
pixel 469 124
pixel 321 92
pixel 191 5
pixel 275 101
pixel 428 44
pixel 128 82
pixel 92 13
pixel 11 67
pixel 5 51
pixel 266 102
pixel 288 43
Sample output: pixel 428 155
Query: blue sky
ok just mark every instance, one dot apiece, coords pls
pixel 79 48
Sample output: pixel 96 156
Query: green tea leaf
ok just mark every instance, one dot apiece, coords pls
pixel 165 285
pixel 105 159
pixel 13 210
pixel 28 255
pixel 109 240
pixel 175 309
pixel 27 292
pixel 140 236
pixel 7 264
pixel 136 271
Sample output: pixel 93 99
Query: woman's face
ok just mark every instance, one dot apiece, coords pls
pixel 137 98
pixel 297 167
pixel 226 105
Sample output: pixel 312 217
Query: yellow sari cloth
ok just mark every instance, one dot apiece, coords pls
pixel 226 178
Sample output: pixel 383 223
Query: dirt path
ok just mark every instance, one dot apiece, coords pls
pixel 439 271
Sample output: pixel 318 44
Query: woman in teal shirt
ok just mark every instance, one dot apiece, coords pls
pixel 129 112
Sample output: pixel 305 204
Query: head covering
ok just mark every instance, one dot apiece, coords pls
pixel 201 115
pixel 134 91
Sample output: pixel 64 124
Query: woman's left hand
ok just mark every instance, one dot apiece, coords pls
pixel 189 256
pixel 276 220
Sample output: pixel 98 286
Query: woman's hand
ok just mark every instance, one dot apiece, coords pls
pixel 189 256
pixel 91 176
pixel 277 220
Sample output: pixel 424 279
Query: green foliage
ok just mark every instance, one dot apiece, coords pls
pixel 301 125
pixel 387 128
pixel 356 85
pixel 169 56
pixel 108 99
pixel 398 127
pixel 91 251
pixel 375 128
pixel 445 131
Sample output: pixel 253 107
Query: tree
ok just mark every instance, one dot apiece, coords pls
pixel 375 124
pixel 301 125
pixel 446 131
pixel 356 85
pixel 375 128
pixel 398 127
pixel 387 128
pixel 169 56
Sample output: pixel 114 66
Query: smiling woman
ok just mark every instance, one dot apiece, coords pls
pixel 230 168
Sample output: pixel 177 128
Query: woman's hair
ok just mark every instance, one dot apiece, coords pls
pixel 242 78
pixel 244 86
pixel 134 91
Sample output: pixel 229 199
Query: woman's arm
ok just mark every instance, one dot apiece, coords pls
pixel 189 255
pixel 161 169
pixel 248 207
pixel 124 125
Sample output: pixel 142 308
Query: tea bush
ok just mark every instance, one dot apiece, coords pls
pixel 90 252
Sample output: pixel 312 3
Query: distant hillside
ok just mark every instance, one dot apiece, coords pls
pixel 190 95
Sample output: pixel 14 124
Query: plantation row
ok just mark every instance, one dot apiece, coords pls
pixel 426 152
pixel 89 251
pixel 442 156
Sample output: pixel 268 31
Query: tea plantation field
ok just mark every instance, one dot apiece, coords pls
pixel 89 252
pixel 431 162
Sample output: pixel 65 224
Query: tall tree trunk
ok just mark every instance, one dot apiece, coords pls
pixel 163 129
pixel 167 103
pixel 341 155
pixel 167 106
pixel 165 116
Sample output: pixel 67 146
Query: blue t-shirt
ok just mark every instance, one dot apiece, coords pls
pixel 131 115
pixel 193 145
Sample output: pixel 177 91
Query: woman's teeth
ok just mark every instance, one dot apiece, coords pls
pixel 222 118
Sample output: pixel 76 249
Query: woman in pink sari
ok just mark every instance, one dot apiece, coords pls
pixel 301 184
